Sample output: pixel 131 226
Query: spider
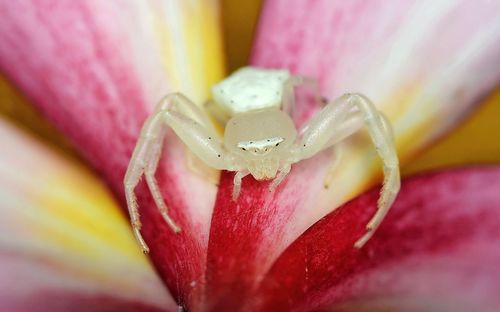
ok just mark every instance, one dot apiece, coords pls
pixel 259 138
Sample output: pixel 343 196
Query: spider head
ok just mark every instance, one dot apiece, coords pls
pixel 258 135
pixel 260 147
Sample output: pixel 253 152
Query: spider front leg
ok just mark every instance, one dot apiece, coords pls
pixel 283 172
pixel 146 155
pixel 340 119
pixel 237 183
pixel 194 129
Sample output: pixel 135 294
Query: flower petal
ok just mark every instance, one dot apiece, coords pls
pixel 96 68
pixel 423 63
pixel 64 244
pixel 437 250
pixel 18 110
pixel 470 143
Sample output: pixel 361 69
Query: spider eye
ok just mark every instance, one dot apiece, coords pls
pixel 243 148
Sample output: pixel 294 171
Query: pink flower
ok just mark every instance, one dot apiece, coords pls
pixel 96 68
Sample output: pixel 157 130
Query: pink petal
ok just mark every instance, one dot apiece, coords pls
pixel 96 68
pixel 423 63
pixel 436 251
pixel 64 245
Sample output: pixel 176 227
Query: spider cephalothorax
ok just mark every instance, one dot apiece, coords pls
pixel 260 137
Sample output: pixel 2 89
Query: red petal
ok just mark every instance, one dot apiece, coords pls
pixel 244 236
pixel 423 63
pixel 437 250
pixel 96 68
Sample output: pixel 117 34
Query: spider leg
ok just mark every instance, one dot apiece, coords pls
pixel 283 172
pixel 149 173
pixel 132 178
pixel 289 86
pixel 349 125
pixel 194 129
pixel 217 112
pixel 288 106
pixel 331 169
pixel 324 129
pixel 337 121
pixel 237 183
pixel 381 133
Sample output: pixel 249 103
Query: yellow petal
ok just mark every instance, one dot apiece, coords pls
pixel 17 109
pixel 474 142
pixel 61 232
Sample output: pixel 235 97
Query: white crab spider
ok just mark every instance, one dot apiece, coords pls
pixel 259 138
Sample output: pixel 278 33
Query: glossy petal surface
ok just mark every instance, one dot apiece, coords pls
pixel 96 69
pixel 64 243
pixel 424 64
